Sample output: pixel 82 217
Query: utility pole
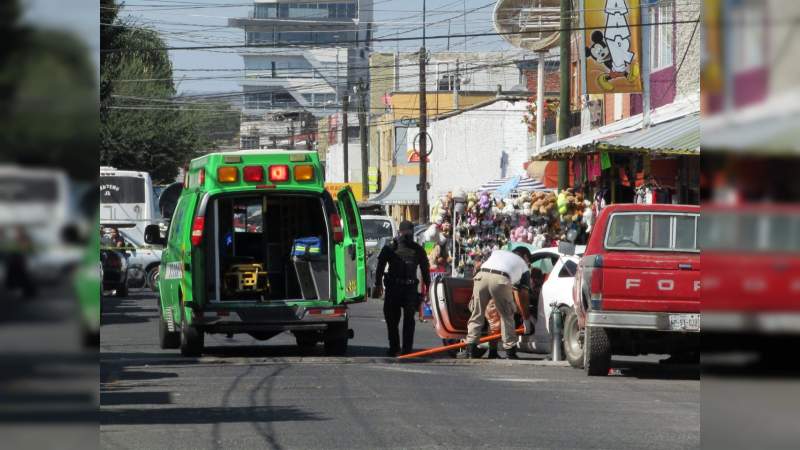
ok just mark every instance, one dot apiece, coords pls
pixel 291 134
pixel 345 136
pixel 361 90
pixel 423 128
pixel 563 102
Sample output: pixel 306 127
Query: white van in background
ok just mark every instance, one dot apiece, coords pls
pixel 127 200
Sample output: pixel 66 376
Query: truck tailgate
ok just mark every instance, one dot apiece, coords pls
pixel 653 281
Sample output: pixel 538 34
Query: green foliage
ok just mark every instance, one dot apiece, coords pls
pixel 143 125
pixel 48 98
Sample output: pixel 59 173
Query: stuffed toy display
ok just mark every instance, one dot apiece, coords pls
pixel 537 218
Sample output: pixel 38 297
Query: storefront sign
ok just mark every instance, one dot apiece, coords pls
pixel 334 188
pixel 613 44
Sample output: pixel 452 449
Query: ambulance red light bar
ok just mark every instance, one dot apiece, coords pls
pixel 279 173
pixel 254 173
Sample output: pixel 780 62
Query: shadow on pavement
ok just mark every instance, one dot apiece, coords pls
pixel 134 398
pixel 656 370
pixel 210 415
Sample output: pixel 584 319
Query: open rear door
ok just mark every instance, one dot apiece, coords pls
pixel 351 258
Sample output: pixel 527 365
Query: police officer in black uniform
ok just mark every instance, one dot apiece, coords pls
pixel 404 256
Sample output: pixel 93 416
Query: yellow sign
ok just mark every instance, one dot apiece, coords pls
pixel 613 44
pixel 334 188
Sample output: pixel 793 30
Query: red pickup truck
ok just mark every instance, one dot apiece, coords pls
pixel 637 289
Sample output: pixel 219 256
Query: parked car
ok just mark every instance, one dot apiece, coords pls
pixel 376 228
pixel 556 288
pixel 143 262
pixel 450 297
pixel 637 289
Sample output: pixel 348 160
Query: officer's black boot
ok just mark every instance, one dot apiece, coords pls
pixel 472 351
pixel 493 352
pixel 511 353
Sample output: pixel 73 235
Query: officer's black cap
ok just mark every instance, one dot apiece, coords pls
pixel 406 226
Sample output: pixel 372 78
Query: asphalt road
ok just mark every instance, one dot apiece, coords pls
pixel 248 394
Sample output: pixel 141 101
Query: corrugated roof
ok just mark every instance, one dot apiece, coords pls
pixel 679 134
pixel 401 190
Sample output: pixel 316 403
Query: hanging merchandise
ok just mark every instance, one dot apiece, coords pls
pixel 605 161
pixel 489 223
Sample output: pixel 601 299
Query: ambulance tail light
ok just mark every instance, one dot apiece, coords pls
pixel 227 174
pixel 304 172
pixel 336 226
pixel 197 230
pixel 254 173
pixel 279 173
pixel 201 177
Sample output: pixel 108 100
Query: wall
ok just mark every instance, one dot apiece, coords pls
pixel 468 147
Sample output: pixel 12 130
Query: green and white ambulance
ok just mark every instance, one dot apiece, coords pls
pixel 257 245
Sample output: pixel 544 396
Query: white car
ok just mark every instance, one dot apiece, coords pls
pixel 375 228
pixel 559 277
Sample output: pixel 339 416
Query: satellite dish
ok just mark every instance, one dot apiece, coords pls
pixel 528 24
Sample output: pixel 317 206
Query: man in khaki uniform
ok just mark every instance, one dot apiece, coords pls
pixel 501 277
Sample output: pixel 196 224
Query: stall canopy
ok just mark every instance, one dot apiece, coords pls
pixel 401 190
pixel 504 186
pixel 674 130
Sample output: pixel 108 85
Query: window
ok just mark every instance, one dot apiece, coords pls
pixel 376 229
pixel 247 216
pixel 544 262
pixel 177 220
pixel 657 231
pixel 112 190
pixel 569 270
pixel 20 189
pixel 661 41
pixel 350 217
pixel 748 36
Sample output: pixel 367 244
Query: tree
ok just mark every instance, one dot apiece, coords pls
pixel 48 97
pixel 144 126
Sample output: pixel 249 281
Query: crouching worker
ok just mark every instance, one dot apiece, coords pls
pixel 404 257
pixel 503 277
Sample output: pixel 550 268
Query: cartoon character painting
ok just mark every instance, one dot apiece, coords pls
pixel 612 46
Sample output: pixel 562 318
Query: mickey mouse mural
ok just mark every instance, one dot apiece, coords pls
pixel 612 46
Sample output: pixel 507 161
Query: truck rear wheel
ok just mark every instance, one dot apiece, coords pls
pixel 336 337
pixel 306 340
pixel 191 340
pixel 167 339
pixel 573 347
pixel 597 352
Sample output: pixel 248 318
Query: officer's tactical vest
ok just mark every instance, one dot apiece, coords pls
pixel 403 266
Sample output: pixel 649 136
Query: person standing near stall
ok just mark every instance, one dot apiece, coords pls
pixel 405 259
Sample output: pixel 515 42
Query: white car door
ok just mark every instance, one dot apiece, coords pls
pixel 557 288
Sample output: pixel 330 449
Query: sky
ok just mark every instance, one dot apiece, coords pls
pixel 204 22
pixel 78 16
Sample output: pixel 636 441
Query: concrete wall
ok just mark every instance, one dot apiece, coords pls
pixel 468 148
pixel 688 79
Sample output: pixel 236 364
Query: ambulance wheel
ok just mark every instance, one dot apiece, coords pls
pixel 191 340
pixel 336 338
pixel 167 339
pixel 573 347
pixel 306 340
pixel 596 352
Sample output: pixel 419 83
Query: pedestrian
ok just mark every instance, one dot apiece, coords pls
pixel 504 276
pixel 404 257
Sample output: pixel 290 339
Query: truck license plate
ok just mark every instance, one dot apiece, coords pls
pixel 684 322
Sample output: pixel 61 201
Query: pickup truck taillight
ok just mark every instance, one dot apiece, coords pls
pixel 197 230
pixel 593 277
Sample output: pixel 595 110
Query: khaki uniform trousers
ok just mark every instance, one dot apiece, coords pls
pixel 489 286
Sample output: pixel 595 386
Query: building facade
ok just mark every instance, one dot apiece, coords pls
pixel 301 57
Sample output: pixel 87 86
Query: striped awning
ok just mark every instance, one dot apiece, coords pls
pixel 676 136
pixel 514 183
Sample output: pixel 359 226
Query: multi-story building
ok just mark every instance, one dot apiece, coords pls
pixel 301 57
